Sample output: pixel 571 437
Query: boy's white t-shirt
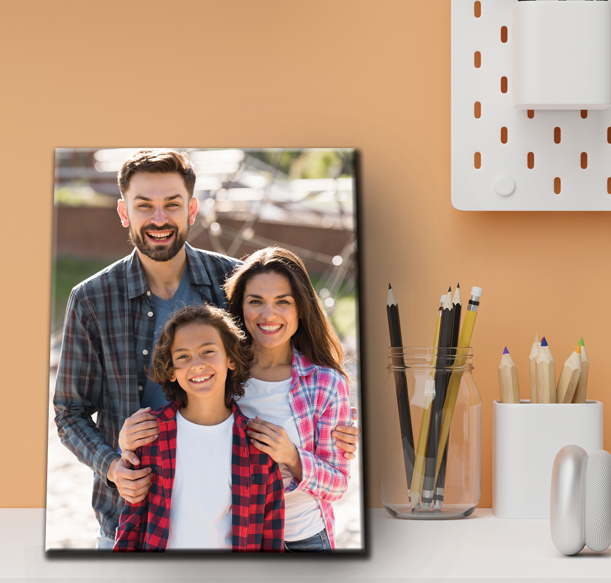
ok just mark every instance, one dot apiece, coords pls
pixel 270 401
pixel 200 509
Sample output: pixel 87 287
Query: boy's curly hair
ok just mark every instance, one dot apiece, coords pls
pixel 234 342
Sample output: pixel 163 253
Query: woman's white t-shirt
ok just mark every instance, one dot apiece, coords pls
pixel 270 401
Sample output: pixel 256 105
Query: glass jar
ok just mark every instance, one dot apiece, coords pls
pixel 431 459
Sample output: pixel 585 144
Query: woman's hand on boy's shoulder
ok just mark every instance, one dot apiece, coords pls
pixel 347 437
pixel 274 441
pixel 140 429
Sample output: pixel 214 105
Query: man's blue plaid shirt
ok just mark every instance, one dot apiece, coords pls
pixel 110 319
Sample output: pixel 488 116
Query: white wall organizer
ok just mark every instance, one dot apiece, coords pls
pixel 506 158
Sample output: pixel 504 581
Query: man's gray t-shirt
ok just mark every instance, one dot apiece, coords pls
pixel 152 394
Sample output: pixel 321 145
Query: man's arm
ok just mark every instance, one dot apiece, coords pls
pixel 133 485
pixel 79 386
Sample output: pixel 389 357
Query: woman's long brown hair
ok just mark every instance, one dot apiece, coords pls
pixel 314 337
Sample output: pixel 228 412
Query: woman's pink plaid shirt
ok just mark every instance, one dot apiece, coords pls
pixel 319 399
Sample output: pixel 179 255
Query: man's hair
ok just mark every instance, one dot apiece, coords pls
pixel 158 162
pixel 314 336
pixel 234 342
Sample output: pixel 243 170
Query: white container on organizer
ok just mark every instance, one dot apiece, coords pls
pixel 526 439
pixel 562 55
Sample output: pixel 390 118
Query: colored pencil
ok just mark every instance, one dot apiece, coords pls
pixel 582 385
pixel 405 419
pixel 546 375
pixel 569 377
pixel 508 379
pixel 532 368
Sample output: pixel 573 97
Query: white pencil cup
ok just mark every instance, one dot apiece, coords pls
pixel 526 439
pixel 562 55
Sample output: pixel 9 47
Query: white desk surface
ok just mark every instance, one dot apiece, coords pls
pixel 479 547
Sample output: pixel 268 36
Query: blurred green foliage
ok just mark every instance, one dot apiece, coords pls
pixel 68 272
pixel 317 163
pixel 82 195
pixel 344 317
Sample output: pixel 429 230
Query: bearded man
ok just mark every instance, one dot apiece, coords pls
pixel 113 317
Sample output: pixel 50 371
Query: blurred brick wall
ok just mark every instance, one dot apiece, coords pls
pixel 93 233
pixel 96 233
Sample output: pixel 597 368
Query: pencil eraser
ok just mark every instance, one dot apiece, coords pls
pixel 429 388
pixel 476 291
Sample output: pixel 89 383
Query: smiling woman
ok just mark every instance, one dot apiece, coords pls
pixel 298 393
pixel 270 312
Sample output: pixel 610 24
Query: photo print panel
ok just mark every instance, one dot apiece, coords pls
pixel 178 426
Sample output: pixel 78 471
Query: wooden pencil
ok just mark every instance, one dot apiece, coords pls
pixel 569 377
pixel 532 368
pixel 457 303
pixel 508 379
pixel 441 384
pixel 464 342
pixel 425 423
pixel 440 476
pixel 546 375
pixel 405 419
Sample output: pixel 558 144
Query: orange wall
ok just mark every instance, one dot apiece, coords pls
pixel 353 73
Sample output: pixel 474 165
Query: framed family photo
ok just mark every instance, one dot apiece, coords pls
pixel 205 365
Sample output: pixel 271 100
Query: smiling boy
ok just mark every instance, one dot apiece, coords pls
pixel 211 488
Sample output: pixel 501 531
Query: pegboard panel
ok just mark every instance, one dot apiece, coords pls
pixel 511 159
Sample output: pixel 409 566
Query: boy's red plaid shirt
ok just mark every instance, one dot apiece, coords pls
pixel 257 493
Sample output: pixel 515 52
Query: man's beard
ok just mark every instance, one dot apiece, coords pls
pixel 158 253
